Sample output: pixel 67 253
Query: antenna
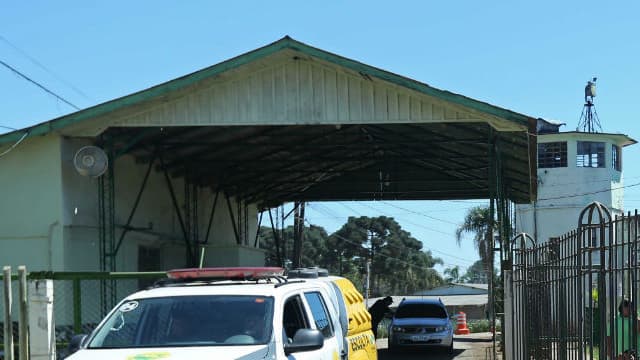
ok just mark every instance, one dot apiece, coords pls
pixel 589 121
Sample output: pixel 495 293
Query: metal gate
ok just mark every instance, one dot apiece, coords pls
pixel 566 297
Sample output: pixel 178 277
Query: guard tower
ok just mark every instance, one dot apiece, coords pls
pixel 574 169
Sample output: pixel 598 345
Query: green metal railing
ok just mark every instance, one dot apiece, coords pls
pixel 78 305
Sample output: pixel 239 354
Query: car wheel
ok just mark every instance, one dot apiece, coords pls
pixel 450 349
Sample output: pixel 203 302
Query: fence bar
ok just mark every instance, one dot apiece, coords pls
pixel 23 322
pixel 8 325
pixel 77 306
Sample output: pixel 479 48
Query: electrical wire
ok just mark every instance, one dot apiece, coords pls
pixel 38 85
pixel 40 65
pixel 24 136
pixel 422 226
pixel 418 213
pixel 391 257
pixel 431 249
pixel 589 193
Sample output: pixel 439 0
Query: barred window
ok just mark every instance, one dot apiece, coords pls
pixel 590 154
pixel 552 155
pixel 616 158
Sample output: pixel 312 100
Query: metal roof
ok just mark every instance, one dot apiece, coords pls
pixel 311 159
pixel 451 300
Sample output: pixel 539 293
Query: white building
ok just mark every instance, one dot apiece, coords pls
pixel 574 169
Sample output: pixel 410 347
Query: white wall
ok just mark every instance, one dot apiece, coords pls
pixel 564 192
pixel 155 214
pixel 30 206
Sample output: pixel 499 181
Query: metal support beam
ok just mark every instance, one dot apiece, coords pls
pixel 276 238
pixel 213 211
pixel 233 221
pixel 191 259
pixel 133 210
pixel 255 243
pixel 107 231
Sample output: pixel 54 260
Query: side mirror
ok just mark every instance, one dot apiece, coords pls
pixel 305 340
pixel 76 343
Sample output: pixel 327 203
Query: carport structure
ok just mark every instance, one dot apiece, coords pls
pixel 292 123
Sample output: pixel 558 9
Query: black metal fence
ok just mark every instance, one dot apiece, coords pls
pixel 567 296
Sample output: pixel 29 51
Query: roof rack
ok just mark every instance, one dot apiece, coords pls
pixel 307 273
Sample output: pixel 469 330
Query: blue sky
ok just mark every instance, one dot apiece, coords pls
pixel 530 57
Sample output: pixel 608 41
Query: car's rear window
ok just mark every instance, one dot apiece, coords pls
pixel 421 311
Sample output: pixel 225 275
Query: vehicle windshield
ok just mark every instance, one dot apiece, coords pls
pixel 421 311
pixel 187 321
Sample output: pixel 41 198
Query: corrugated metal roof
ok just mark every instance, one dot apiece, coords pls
pixel 453 300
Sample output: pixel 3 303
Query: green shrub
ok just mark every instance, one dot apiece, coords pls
pixel 476 326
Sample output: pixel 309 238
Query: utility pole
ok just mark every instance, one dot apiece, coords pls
pixel 367 283
pixel 298 232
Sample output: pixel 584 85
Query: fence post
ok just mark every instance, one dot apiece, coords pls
pixel 41 322
pixel 8 325
pixel 23 321
pixel 508 313
pixel 77 307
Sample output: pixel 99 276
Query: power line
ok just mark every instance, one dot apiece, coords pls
pixel 38 85
pixel 424 227
pixel 399 260
pixel 24 136
pixel 40 65
pixel 418 213
pixel 589 193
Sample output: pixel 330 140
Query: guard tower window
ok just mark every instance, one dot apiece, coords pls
pixel 590 154
pixel 616 158
pixel 552 155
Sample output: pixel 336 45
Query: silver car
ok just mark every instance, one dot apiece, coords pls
pixel 421 323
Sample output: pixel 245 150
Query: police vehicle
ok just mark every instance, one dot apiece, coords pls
pixel 229 313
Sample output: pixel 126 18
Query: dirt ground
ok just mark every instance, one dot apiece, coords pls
pixel 472 346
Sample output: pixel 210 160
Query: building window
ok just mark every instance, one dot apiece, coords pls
pixel 552 155
pixel 616 158
pixel 590 154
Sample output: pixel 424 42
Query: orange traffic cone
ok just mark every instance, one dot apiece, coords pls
pixel 461 324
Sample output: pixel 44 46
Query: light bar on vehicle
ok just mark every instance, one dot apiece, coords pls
pixel 230 273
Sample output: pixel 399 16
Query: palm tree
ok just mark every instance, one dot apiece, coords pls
pixel 477 221
pixel 452 274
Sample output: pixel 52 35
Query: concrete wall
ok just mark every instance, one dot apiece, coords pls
pixel 564 192
pixel 155 216
pixel 50 214
pixel 31 219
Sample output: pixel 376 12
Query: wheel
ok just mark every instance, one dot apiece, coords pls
pixel 450 349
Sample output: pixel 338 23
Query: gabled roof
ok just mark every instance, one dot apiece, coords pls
pixel 264 128
pixel 282 44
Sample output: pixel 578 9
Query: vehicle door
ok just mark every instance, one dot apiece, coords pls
pixel 300 313
pixel 324 319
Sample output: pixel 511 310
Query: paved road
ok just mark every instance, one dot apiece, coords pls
pixel 473 346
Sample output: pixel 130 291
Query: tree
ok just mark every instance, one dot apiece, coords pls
pixel 477 274
pixel 314 246
pixel 452 274
pixel 478 221
pixel 398 264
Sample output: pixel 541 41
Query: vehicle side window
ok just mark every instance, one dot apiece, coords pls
pixel 320 313
pixel 293 317
pixel 344 320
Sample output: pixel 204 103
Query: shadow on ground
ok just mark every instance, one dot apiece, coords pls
pixel 385 354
